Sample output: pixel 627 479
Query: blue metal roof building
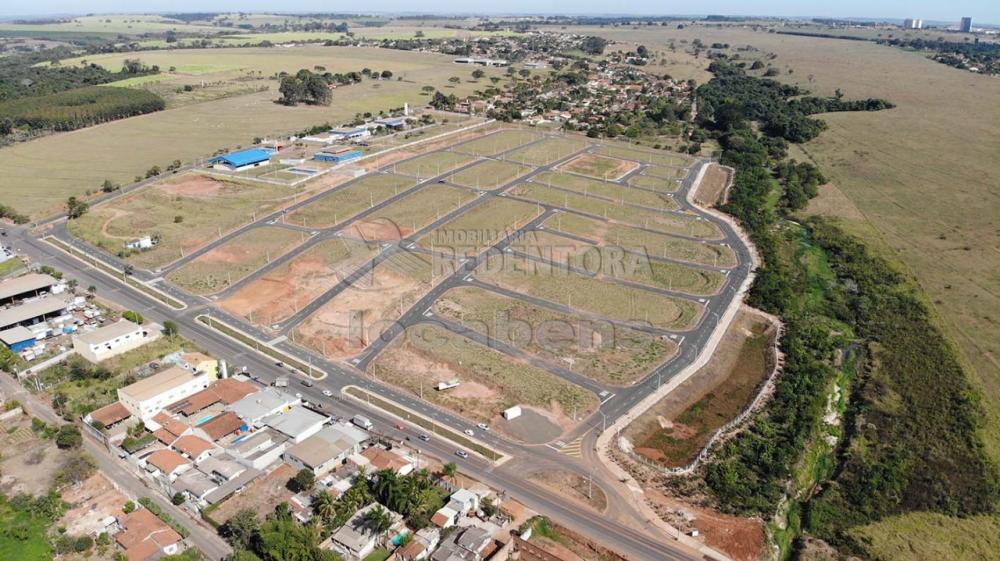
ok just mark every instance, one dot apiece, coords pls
pixel 339 157
pixel 18 338
pixel 244 158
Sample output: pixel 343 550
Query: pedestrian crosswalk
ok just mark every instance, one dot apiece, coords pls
pixel 573 448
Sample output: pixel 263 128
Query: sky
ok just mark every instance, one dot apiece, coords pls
pixel 986 11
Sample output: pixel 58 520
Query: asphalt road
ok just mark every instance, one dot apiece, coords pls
pixel 635 537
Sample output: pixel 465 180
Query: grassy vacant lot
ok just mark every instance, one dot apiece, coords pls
pixel 491 381
pixel 186 211
pixel 597 349
pixel 37 184
pixel 113 25
pixel 498 142
pixel 25 536
pixel 285 289
pixel 411 213
pixel 665 172
pixel 615 192
pixel 489 174
pixel 641 155
pixel 481 227
pixel 547 151
pixel 591 295
pixel 435 163
pixel 674 430
pixel 654 182
pixel 232 261
pixel 679 224
pixel 344 203
pixel 600 167
pixel 657 245
pixel 940 537
pixel 608 262
pixel 354 318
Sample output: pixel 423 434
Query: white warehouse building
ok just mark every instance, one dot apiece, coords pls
pixel 148 396
pixel 111 340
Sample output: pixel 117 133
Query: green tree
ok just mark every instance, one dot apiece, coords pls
pixel 133 316
pixel 379 521
pixel 69 436
pixel 478 74
pixel 454 79
pixel 241 528
pixel 304 480
pixel 170 328
pixel 449 470
pixel 324 505
pixel 75 208
pixel 178 498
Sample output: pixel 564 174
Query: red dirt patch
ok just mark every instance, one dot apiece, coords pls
pixel 194 185
pixel 592 165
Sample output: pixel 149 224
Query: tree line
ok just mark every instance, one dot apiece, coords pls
pixel 306 86
pixel 80 107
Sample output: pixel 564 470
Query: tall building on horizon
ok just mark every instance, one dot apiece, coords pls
pixel 912 23
pixel 966 25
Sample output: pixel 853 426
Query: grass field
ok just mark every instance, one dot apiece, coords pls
pixel 483 226
pixel 191 129
pixel 678 224
pixel 673 431
pixel 614 192
pixel 608 262
pixel 496 143
pixel 230 262
pixel 344 203
pixel 186 211
pixel 919 183
pixel 111 24
pixel 411 213
pixel 435 163
pixel 599 350
pixel 665 172
pixel 24 536
pixel 657 245
pixel 546 151
pixel 588 294
pixel 924 536
pixel 285 289
pixel 489 174
pixel 491 381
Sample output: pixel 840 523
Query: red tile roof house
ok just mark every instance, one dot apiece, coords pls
pixel 169 463
pixel 195 448
pixel 145 537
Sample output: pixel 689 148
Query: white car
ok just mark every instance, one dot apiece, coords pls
pixel 483 426
pixel 469 432
pixel 462 454
pixel 298 395
pixel 327 393
pixel 425 437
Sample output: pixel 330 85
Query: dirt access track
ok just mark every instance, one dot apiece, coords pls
pixel 600 167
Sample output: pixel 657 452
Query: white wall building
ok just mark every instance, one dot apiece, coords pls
pixel 111 340
pixel 148 396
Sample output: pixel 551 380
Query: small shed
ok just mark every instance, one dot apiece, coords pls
pixel 512 413
pixel 18 338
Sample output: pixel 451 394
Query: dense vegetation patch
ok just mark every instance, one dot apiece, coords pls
pixel 911 432
pixel 81 107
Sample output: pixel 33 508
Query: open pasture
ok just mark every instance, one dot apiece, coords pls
pixel 501 141
pixel 284 290
pixel 229 263
pixel 547 151
pixel 481 227
pixel 658 245
pixel 342 204
pixel 184 211
pixel 411 213
pixel 589 294
pixel 670 223
pixel 489 174
pixel 490 380
pixel 615 192
pixel 597 349
pixel 605 261
pixel 210 118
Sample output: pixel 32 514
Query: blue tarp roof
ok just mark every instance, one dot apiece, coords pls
pixel 244 157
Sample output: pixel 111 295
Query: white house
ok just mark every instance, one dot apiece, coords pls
pixel 111 340
pixel 326 449
pixel 148 396
pixel 297 424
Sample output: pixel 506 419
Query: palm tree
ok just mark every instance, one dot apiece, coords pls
pixel 324 505
pixel 379 521
pixel 450 470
